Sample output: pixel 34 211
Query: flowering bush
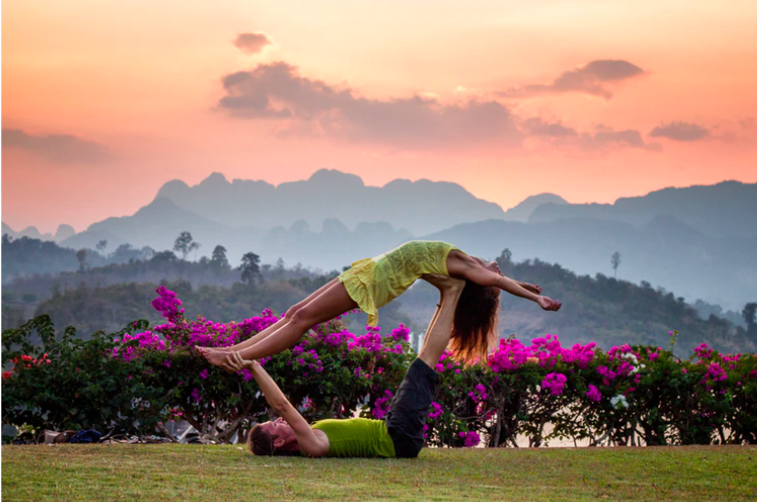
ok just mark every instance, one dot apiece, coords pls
pixel 626 395
pixel 143 376
pixel 158 376
pixel 66 382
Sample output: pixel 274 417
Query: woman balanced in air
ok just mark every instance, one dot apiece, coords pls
pixel 371 283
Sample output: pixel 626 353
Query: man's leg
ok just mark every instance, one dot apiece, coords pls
pixel 409 408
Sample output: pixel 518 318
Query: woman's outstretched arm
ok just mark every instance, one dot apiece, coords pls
pixel 534 288
pixel 464 267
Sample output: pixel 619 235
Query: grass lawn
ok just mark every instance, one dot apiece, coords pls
pixel 227 473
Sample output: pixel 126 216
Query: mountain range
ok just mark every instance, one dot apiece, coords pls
pixel 664 252
pixel 64 232
pixel 697 241
pixel 419 207
pixel 727 209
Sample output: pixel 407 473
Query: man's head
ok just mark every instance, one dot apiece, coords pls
pixel 273 438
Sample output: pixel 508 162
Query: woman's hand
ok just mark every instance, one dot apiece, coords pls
pixel 548 303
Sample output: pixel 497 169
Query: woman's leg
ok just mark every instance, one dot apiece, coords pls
pixel 332 302
pixel 258 337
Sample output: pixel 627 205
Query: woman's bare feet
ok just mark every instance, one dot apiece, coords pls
pixel 207 350
pixel 224 359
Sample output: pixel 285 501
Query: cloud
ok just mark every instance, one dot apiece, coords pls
pixel 252 43
pixel 277 91
pixel 680 131
pixel 302 105
pixel 63 148
pixel 603 138
pixel 538 127
pixel 606 137
pixel 591 79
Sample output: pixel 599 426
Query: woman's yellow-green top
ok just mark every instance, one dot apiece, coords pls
pixel 374 282
pixel 357 437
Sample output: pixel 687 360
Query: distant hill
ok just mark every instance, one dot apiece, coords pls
pixel 327 221
pixel 36 260
pixel 64 231
pixel 418 207
pixel 522 212
pixel 24 256
pixel 333 247
pixel 726 209
pixel 156 225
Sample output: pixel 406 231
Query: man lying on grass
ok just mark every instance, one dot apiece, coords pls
pixel 399 435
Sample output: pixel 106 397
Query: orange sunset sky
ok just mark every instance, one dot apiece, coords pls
pixel 103 101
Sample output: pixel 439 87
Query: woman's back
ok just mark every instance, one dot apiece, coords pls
pixel 374 282
pixel 404 264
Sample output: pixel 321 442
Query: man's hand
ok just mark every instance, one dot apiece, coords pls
pixel 442 282
pixel 235 362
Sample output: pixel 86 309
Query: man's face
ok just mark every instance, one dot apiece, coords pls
pixel 280 430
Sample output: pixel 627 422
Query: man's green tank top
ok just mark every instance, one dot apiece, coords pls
pixel 357 437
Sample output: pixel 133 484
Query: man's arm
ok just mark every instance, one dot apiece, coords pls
pixel 440 328
pixel 310 443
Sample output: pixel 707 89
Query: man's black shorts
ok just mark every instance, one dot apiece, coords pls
pixel 409 408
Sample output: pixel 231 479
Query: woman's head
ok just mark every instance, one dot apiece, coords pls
pixel 475 325
pixel 273 438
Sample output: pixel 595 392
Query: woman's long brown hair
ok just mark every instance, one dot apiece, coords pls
pixel 475 325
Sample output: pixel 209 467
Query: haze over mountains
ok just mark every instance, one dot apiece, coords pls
pixel 419 207
pixel 664 252
pixel 698 241
pixel 728 209
pixel 64 232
